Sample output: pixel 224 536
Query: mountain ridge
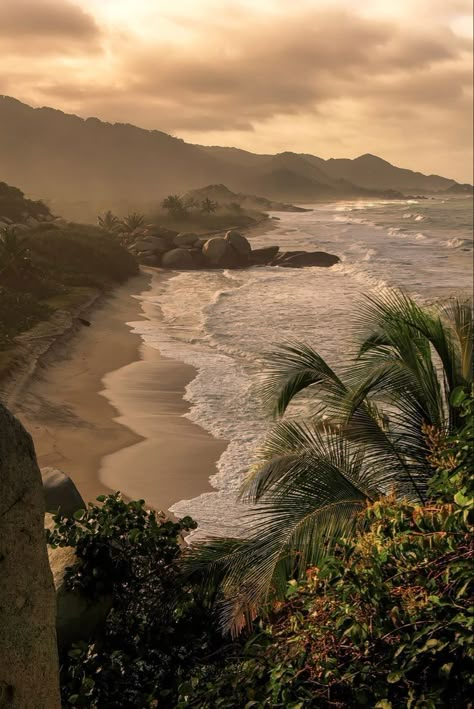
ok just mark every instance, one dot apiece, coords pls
pixel 82 165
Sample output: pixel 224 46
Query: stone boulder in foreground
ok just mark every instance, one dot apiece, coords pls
pixel 29 669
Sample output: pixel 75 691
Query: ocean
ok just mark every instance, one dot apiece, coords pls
pixel 221 322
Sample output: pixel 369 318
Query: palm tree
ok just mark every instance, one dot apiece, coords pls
pixel 14 251
pixel 208 206
pixel 365 436
pixel 175 206
pixel 109 221
pixel 132 221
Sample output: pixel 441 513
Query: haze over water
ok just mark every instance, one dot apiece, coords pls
pixel 222 322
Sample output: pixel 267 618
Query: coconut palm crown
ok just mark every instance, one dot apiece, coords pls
pixel 366 434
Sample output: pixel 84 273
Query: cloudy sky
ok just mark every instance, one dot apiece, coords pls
pixel 334 78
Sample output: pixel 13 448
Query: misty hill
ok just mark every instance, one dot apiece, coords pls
pixel 225 197
pixel 83 166
pixel 370 171
pixel 15 207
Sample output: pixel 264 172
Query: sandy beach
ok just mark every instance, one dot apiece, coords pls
pixel 101 395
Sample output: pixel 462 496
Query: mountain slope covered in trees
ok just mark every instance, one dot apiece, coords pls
pixel 82 166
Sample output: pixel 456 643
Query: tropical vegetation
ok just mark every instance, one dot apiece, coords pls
pixel 355 585
pixel 385 620
pixel 366 434
pixel 52 267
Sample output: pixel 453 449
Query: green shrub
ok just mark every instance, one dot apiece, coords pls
pixel 386 621
pixel 18 311
pixel 80 255
pixel 157 626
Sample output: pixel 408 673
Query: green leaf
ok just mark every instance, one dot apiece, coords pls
pixel 445 670
pixel 79 514
pixel 393 677
pixel 457 396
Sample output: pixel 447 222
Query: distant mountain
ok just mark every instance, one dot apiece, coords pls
pixel 371 172
pixel 82 166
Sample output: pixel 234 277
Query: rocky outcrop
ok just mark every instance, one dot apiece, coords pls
pixel 185 239
pixel 29 670
pixel 76 616
pixel 187 251
pixel 300 259
pixel 180 259
pixel 263 257
pixel 60 493
pixel 239 243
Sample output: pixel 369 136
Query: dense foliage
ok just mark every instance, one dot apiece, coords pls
pixel 385 621
pixel 15 206
pixel 157 626
pixel 52 266
pixel 366 431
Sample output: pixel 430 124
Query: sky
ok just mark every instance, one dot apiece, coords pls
pixel 335 78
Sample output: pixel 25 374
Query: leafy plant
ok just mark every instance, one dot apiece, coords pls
pixel 386 620
pixel 365 435
pixel 132 221
pixel 109 222
pixel 208 206
pixel 175 206
pixel 14 252
pixel 156 625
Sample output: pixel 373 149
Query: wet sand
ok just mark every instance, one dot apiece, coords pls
pixel 108 410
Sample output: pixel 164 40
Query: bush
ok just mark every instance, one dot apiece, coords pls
pixel 157 626
pixel 385 622
pixel 80 255
pixel 18 311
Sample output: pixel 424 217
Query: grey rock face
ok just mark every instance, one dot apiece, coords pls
pixel 179 259
pixel 29 670
pixel 220 253
pixel 185 239
pixel 263 256
pixel 300 259
pixel 60 493
pixel 239 243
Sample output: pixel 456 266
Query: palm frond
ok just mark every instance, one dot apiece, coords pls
pixel 289 369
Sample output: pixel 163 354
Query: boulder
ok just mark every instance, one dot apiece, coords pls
pixel 149 260
pixel 263 256
pixel 29 667
pixel 215 250
pixel 239 243
pixel 60 493
pixel 157 243
pixel 220 253
pixel 180 259
pixel 76 616
pixel 299 259
pixel 185 239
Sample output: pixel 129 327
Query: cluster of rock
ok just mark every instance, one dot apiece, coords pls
pixel 188 251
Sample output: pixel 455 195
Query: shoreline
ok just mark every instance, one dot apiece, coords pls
pixel 77 423
pixel 109 410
